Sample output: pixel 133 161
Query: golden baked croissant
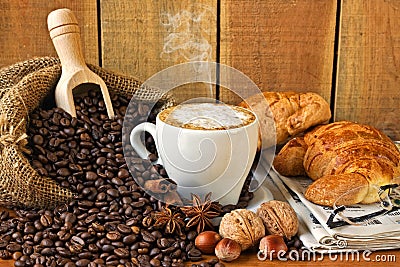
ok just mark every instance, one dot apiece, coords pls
pixel 292 113
pixel 341 156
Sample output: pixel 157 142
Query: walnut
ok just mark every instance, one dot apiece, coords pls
pixel 243 226
pixel 279 218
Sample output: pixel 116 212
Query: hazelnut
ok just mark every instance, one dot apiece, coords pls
pixel 279 218
pixel 243 226
pixel 273 246
pixel 206 241
pixel 228 249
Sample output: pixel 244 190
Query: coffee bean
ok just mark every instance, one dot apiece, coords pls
pixel 29 229
pixel 139 167
pixel 113 192
pixel 82 263
pixel 49 251
pixel 4 254
pixel 194 254
pixel 69 131
pixel 117 181
pixel 123 173
pixel 85 204
pixel 152 157
pixel 61 163
pixel 65 122
pixel 76 240
pixel 96 121
pixel 75 248
pixel 148 237
pixel 122 253
pixel 64 235
pixel 3 242
pixel 298 244
pixel 101 161
pixel 129 239
pixel 44 114
pixel 38 139
pixel 177 264
pixel 63 172
pixel 75 168
pixel 155 262
pixel 19 263
pixel 91 176
pixel 113 235
pixel 16 255
pixel 124 229
pixel 108 248
pixel 46 220
pixel 51 156
pixel 47 242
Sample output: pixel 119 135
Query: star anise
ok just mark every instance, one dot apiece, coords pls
pixel 201 212
pixel 170 220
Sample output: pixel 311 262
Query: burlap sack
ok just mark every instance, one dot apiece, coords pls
pixel 22 88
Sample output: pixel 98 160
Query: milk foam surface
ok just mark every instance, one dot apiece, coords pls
pixel 207 116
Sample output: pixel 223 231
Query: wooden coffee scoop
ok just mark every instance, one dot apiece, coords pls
pixel 64 32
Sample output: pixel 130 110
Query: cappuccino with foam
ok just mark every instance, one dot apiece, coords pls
pixel 207 116
pixel 204 147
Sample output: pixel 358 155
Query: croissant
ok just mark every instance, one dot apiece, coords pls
pixel 340 157
pixel 291 113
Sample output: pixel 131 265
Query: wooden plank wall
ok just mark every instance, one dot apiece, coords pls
pixel 141 38
pixel 24 34
pixel 280 44
pixel 368 78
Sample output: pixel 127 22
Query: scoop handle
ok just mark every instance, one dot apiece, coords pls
pixel 65 34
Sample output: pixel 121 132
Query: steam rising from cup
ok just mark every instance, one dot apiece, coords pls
pixel 188 34
pixel 187 39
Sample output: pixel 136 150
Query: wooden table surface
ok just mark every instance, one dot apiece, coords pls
pixel 249 259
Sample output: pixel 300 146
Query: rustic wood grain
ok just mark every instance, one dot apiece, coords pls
pixel 141 38
pixel 281 45
pixel 369 59
pixel 249 259
pixel 24 34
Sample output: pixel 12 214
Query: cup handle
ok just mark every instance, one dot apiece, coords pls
pixel 135 138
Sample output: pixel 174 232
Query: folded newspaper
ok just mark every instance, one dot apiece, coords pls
pixel 383 234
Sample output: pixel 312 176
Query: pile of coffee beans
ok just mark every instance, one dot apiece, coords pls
pixel 209 263
pixel 109 222
pixel 84 150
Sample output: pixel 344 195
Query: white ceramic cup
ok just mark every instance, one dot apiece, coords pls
pixel 206 159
